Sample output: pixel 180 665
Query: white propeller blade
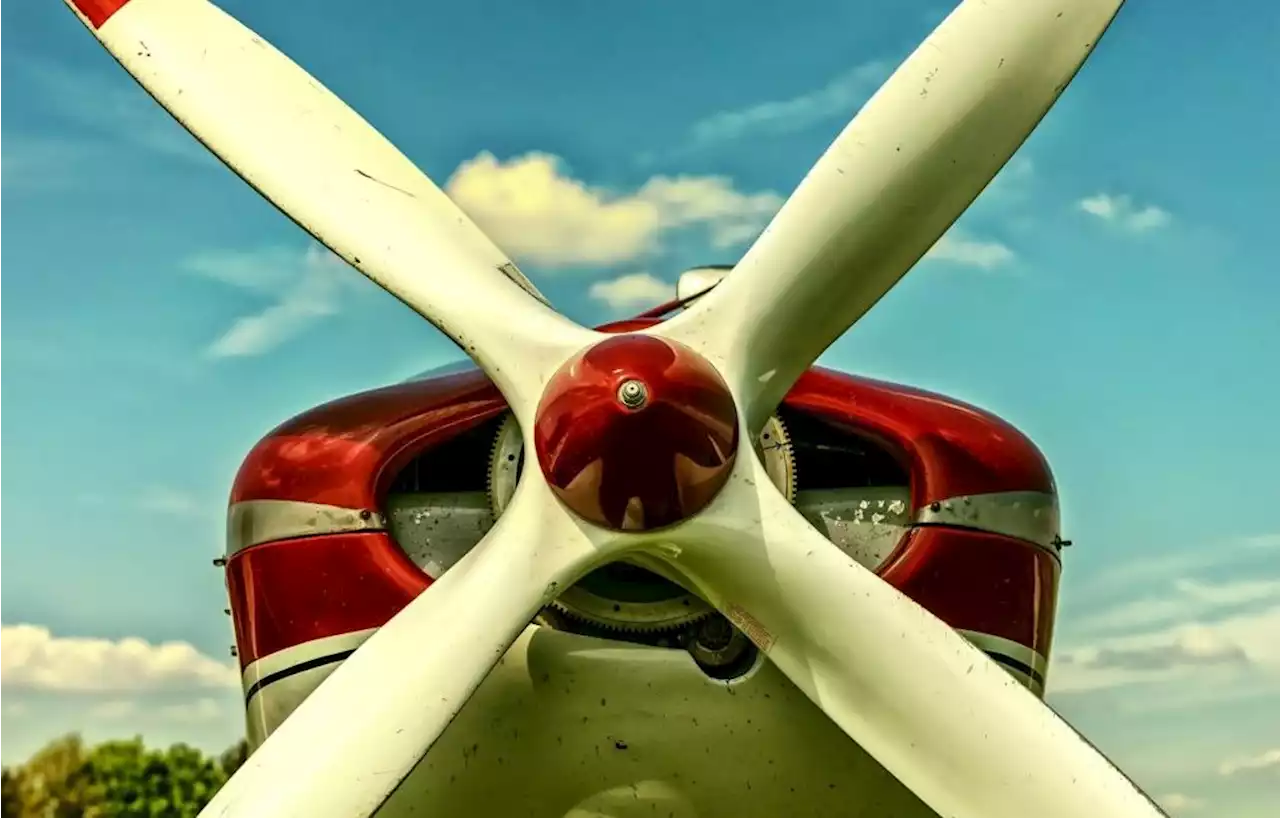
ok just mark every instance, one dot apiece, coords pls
pixel 951 724
pixel 908 164
pixel 349 744
pixel 332 173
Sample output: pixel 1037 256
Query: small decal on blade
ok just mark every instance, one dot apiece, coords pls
pixel 751 627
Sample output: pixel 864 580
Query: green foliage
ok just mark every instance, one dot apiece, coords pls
pixel 8 794
pixel 49 785
pixel 116 779
pixel 233 757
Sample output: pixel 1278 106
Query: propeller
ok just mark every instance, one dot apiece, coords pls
pixel 642 440
pixel 329 171
pixel 920 150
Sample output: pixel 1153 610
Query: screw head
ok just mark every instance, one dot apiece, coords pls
pixel 633 394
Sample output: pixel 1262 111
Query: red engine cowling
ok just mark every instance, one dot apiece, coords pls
pixel 958 510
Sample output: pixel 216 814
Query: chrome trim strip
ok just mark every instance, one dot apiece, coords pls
pixel 282 660
pixel 253 522
pixel 275 685
pixel 1026 515
pixel 998 646
pixel 1007 647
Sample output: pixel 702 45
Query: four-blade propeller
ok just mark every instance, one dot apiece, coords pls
pixel 948 722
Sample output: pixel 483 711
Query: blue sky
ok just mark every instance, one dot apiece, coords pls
pixel 1113 294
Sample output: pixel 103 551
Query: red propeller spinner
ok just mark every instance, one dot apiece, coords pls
pixel 636 433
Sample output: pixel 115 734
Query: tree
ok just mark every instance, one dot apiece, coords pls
pixel 11 806
pixel 49 785
pixel 116 779
pixel 126 780
pixel 233 757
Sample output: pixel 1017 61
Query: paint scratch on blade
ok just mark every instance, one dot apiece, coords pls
pixel 385 184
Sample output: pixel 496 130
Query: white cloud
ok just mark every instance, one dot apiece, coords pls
pixel 1227 594
pixel 1145 660
pixel 165 500
pixel 1244 556
pixel 198 710
pixel 731 218
pixel 532 208
pixel 955 247
pixel 265 270
pixel 636 290
pixel 304 287
pixel 32 658
pixel 1122 212
pixel 38 162
pixel 1219 652
pixel 1263 541
pixel 112 106
pixel 1180 803
pixel 1267 761
pixel 264 331
pixel 1013 181
pixel 204 709
pixel 114 710
pixel 1184 599
pixel 839 98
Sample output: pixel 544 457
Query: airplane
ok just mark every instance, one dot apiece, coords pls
pixel 667 566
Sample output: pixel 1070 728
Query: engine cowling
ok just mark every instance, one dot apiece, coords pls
pixel 341 516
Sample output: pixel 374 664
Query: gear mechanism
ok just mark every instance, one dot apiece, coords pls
pixel 624 596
